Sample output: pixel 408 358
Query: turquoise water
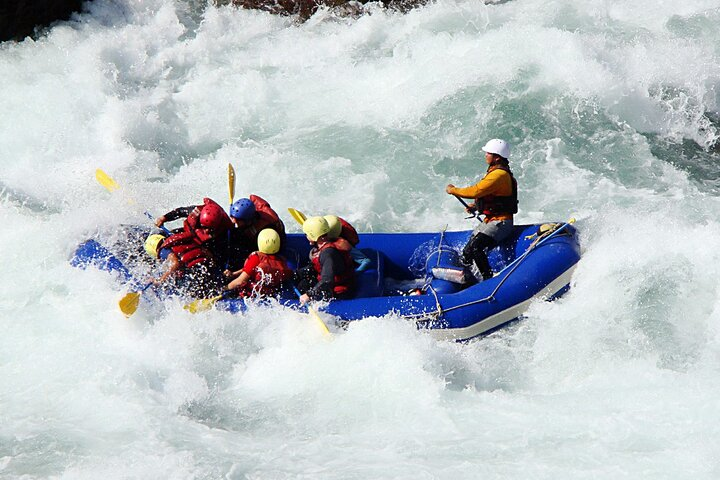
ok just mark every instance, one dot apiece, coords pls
pixel 613 112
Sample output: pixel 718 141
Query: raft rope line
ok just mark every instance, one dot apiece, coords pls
pixel 428 279
pixel 513 266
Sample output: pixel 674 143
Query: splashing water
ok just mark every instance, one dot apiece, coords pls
pixel 612 109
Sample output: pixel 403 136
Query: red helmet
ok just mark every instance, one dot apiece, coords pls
pixel 213 216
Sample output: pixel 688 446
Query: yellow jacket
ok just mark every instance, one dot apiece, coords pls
pixel 496 182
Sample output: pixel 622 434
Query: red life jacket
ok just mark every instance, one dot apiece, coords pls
pixel 188 244
pixel 188 248
pixel 348 232
pixel 266 218
pixel 493 205
pixel 192 223
pixel 343 282
pixel 268 276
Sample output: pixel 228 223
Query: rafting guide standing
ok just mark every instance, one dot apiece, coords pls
pixel 495 197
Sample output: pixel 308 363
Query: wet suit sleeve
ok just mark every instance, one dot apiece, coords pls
pixel 331 263
pixel 180 212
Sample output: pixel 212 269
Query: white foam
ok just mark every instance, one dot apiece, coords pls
pixel 369 119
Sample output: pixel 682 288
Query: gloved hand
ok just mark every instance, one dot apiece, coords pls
pixel 364 264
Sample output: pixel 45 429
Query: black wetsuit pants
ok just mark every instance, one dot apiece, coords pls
pixel 476 251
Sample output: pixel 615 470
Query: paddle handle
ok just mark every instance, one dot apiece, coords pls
pixel 464 204
pixel 162 227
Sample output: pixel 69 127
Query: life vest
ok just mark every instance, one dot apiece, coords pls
pixel 188 244
pixel 192 224
pixel 348 232
pixel 266 218
pixel 342 283
pixel 493 205
pixel 187 248
pixel 268 276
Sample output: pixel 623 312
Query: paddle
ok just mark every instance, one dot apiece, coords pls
pixel 111 185
pixel 314 315
pixel 105 180
pixel 231 183
pixel 297 215
pixel 231 195
pixel 129 303
pixel 467 207
pixel 203 304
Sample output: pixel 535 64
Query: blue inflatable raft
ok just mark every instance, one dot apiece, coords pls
pixel 535 262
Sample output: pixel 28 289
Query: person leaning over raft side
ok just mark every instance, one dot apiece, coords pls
pixel 496 198
pixel 188 265
pixel 330 273
pixel 206 225
pixel 339 227
pixel 264 271
pixel 203 221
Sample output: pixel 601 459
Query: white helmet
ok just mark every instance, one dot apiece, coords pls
pixel 498 147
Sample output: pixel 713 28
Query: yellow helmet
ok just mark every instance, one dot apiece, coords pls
pixel 315 227
pixel 152 243
pixel 335 226
pixel 268 241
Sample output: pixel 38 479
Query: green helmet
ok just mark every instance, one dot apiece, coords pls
pixel 268 241
pixel 335 226
pixel 315 227
pixel 152 243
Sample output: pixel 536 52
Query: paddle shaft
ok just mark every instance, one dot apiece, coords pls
pixel 313 313
pixel 111 185
pixel 464 204
pixel 162 227
pixel 231 196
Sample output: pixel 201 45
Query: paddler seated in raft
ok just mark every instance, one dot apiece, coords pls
pixel 206 225
pixel 496 198
pixel 341 228
pixel 250 216
pixel 189 267
pixel 264 271
pixel 331 272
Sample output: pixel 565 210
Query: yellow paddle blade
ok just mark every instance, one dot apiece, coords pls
pixel 297 215
pixel 129 303
pixel 318 321
pixel 202 304
pixel 105 180
pixel 231 182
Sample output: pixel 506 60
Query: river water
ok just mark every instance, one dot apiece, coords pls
pixel 612 109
